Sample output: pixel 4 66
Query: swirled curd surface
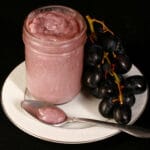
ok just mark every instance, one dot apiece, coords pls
pixel 55 26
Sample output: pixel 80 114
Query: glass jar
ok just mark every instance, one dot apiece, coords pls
pixel 54 38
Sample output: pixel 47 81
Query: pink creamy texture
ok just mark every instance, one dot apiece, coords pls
pixel 51 115
pixel 47 114
pixel 54 44
pixel 54 26
pixel 55 79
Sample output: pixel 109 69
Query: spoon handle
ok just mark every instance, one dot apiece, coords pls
pixel 129 129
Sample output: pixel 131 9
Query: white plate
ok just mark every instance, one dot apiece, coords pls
pixel 83 106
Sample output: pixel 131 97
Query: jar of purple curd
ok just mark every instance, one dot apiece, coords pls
pixel 54 38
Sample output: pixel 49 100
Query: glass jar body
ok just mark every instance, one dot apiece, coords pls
pixel 54 67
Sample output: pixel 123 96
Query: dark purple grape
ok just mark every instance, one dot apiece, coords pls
pixel 122 114
pixel 119 48
pixel 98 28
pixel 122 64
pixel 93 55
pixel 105 88
pixel 108 88
pixel 92 77
pixel 135 84
pixel 128 97
pixel 107 41
pixel 95 92
pixel 121 78
pixel 106 67
pixel 106 107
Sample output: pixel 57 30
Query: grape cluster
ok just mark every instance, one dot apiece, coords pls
pixel 105 66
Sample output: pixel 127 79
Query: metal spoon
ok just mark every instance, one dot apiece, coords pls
pixel 53 115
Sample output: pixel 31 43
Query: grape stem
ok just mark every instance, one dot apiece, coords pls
pixel 91 24
pixel 113 73
pixel 117 80
pixel 106 57
pixel 106 54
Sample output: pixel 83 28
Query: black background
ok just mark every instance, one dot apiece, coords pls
pixel 130 20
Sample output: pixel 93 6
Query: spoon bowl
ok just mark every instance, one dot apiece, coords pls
pixel 53 115
pixel 45 112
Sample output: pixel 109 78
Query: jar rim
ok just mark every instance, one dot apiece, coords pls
pixel 46 41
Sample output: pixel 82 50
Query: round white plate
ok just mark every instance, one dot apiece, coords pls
pixel 82 106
